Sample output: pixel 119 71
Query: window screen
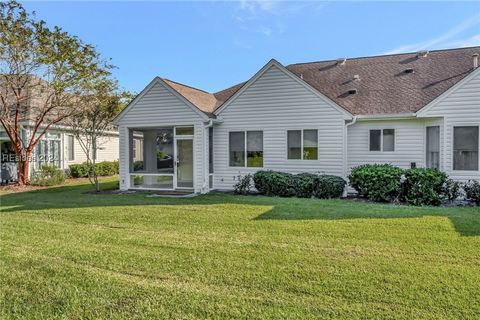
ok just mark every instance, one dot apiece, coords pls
pixel 388 140
pixel 237 149
pixel 465 148
pixel 71 148
pixel 254 149
pixel 375 136
pixel 294 144
pixel 310 144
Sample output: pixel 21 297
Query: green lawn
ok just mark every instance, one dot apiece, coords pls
pixel 68 254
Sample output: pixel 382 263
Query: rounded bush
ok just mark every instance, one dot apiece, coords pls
pixel 424 186
pixel 48 176
pixel 377 182
pixel 305 185
pixel 273 183
pixel 472 191
pixel 328 187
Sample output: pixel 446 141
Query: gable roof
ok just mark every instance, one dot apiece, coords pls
pixel 383 85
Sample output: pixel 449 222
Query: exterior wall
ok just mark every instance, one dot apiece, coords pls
pixel 461 107
pixel 108 147
pixel 275 103
pixel 158 107
pixel 409 142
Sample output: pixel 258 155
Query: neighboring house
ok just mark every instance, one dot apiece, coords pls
pixel 416 109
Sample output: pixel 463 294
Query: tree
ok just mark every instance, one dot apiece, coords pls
pixel 42 70
pixel 101 102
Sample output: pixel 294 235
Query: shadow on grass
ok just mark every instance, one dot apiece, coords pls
pixel 465 220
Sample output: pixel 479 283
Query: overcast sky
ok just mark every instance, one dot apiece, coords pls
pixel 212 45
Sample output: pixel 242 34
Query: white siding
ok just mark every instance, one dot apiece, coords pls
pixel 160 108
pixel 409 143
pixel 108 150
pixel 275 103
pixel 460 107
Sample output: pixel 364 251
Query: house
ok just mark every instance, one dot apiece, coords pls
pixel 411 110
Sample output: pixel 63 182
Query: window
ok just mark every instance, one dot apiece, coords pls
pixel 465 148
pixel 184 131
pixel 246 149
pixel 302 144
pixel 71 148
pixel 382 140
pixel 433 147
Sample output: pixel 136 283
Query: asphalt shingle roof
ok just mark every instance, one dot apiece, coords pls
pixel 383 85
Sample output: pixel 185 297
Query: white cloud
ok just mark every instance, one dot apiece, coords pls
pixel 444 40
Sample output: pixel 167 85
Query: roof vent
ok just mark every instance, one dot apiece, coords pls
pixel 341 61
pixel 475 60
pixel 422 54
pixel 352 91
pixel 356 77
pixel 409 70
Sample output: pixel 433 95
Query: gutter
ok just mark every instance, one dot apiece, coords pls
pixel 208 124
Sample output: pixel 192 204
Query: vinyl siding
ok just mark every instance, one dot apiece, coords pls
pixel 409 143
pixel 158 107
pixel 108 150
pixel 461 107
pixel 275 103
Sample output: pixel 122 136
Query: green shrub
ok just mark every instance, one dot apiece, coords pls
pixel 377 182
pixel 272 183
pixel 243 185
pixel 79 170
pixel 328 187
pixel 104 168
pixel 472 191
pixel 423 186
pixel 451 189
pixel 305 185
pixel 48 176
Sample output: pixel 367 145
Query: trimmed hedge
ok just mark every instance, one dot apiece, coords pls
pixel 303 185
pixel 104 168
pixel 377 182
pixel 424 186
pixel 416 186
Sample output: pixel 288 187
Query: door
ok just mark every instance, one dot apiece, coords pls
pixel 185 163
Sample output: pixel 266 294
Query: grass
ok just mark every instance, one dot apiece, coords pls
pixel 65 253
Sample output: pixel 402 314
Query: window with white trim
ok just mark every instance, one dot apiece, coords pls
pixel 71 147
pixel 246 149
pixel 302 144
pixel 382 140
pixel 465 148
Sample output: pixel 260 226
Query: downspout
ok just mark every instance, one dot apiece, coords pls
pixel 345 159
pixel 205 150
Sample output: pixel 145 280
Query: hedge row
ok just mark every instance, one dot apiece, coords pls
pixel 417 186
pixel 303 185
pixel 105 168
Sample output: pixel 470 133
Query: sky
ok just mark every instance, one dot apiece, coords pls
pixel 215 44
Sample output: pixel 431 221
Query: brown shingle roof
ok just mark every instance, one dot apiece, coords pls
pixel 383 86
pixel 203 100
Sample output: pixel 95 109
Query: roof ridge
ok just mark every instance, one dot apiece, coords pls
pixel 188 86
pixel 384 55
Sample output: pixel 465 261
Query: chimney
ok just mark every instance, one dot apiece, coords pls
pixel 341 61
pixel 475 60
pixel 422 54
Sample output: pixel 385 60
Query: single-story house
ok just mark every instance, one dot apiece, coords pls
pixel 416 109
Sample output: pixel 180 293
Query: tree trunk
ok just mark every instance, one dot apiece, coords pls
pixel 23 170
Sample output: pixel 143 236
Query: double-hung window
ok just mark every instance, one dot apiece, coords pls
pixel 465 148
pixel 302 144
pixel 382 140
pixel 71 147
pixel 246 149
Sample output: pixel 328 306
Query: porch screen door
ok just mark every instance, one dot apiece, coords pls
pixel 184 163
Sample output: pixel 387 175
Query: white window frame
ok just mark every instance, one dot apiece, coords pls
pixel 453 147
pixel 246 147
pixel 440 152
pixel 381 140
pixel 301 145
pixel 72 147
